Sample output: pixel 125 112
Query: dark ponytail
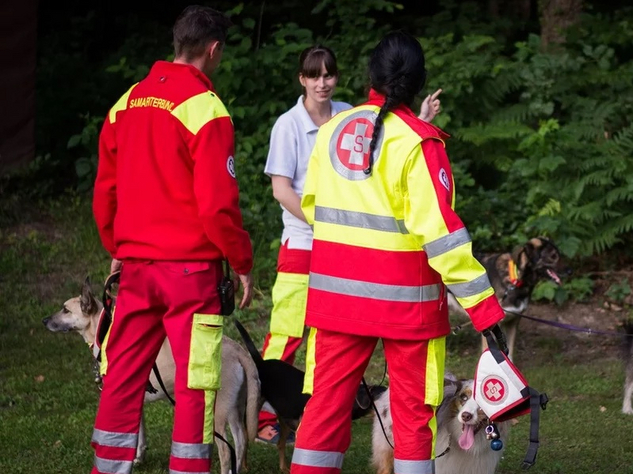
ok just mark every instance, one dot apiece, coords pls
pixel 396 70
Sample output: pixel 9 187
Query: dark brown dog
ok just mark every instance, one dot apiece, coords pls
pixel 514 275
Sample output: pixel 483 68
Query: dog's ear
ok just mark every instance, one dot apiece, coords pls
pixel 87 301
pixel 451 387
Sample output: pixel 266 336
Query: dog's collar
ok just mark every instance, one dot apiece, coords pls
pixel 513 272
pixel 448 448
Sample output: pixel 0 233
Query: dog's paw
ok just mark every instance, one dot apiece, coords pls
pixel 627 410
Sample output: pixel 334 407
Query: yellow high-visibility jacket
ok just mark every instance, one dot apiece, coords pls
pixel 388 244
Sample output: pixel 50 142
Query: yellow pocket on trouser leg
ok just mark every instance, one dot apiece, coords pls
pixel 205 354
pixel 290 295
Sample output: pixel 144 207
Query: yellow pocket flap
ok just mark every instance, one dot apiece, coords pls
pixel 208 319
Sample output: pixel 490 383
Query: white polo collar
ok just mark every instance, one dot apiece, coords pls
pixel 304 116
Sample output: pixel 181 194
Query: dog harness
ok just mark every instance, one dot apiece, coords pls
pixel 502 392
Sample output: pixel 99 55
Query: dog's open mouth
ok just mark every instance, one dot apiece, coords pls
pixel 467 438
pixel 553 276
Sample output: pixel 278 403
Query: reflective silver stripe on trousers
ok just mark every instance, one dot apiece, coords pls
pixel 190 450
pixel 115 440
pixel 113 467
pixel 447 243
pixel 470 288
pixel 307 457
pixel 379 291
pixel 359 219
pixel 401 466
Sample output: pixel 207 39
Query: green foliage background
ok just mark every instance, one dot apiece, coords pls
pixel 542 141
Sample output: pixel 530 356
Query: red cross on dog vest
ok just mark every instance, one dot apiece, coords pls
pixel 502 392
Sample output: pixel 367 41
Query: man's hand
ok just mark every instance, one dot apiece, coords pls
pixel 115 265
pixel 247 284
pixel 430 107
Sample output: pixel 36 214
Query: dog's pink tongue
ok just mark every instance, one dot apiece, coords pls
pixel 467 438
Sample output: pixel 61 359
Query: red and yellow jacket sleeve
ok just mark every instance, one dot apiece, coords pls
pixel 208 132
pixel 430 218
pixel 104 204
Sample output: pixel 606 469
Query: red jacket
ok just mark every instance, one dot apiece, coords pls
pixel 166 187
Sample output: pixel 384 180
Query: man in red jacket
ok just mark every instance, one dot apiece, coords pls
pixel 166 206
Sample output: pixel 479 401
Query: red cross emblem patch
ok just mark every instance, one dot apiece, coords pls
pixel 349 145
pixel 494 390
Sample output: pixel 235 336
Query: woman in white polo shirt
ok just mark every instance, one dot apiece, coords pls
pixel 291 142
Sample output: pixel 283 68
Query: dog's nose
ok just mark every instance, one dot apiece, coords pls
pixel 46 320
pixel 467 416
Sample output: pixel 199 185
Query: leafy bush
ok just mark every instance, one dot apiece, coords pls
pixel 541 141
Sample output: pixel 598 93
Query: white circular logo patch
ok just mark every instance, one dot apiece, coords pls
pixel 444 179
pixel 349 145
pixel 230 166
pixel 494 390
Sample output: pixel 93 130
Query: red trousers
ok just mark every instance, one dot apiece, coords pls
pixel 157 299
pixel 416 375
pixel 288 315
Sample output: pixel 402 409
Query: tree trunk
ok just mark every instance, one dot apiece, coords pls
pixel 556 16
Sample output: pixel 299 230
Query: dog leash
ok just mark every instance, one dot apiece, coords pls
pixel 373 405
pixel 569 327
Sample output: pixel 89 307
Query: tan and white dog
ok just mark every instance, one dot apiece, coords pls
pixel 461 445
pixel 237 403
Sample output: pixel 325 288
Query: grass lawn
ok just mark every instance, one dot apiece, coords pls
pixel 48 398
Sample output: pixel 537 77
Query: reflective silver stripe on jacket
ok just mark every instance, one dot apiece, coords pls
pixel 306 457
pixel 470 288
pixel 113 467
pixel 190 450
pixel 359 219
pixel 115 440
pixel 379 291
pixel 401 466
pixel 447 243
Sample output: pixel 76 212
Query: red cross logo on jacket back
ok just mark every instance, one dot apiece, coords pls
pixel 349 144
pixel 353 144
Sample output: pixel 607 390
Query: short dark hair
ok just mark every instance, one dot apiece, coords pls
pixel 196 27
pixel 312 58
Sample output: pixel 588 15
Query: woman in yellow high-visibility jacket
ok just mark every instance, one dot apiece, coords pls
pixel 291 143
pixel 387 243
